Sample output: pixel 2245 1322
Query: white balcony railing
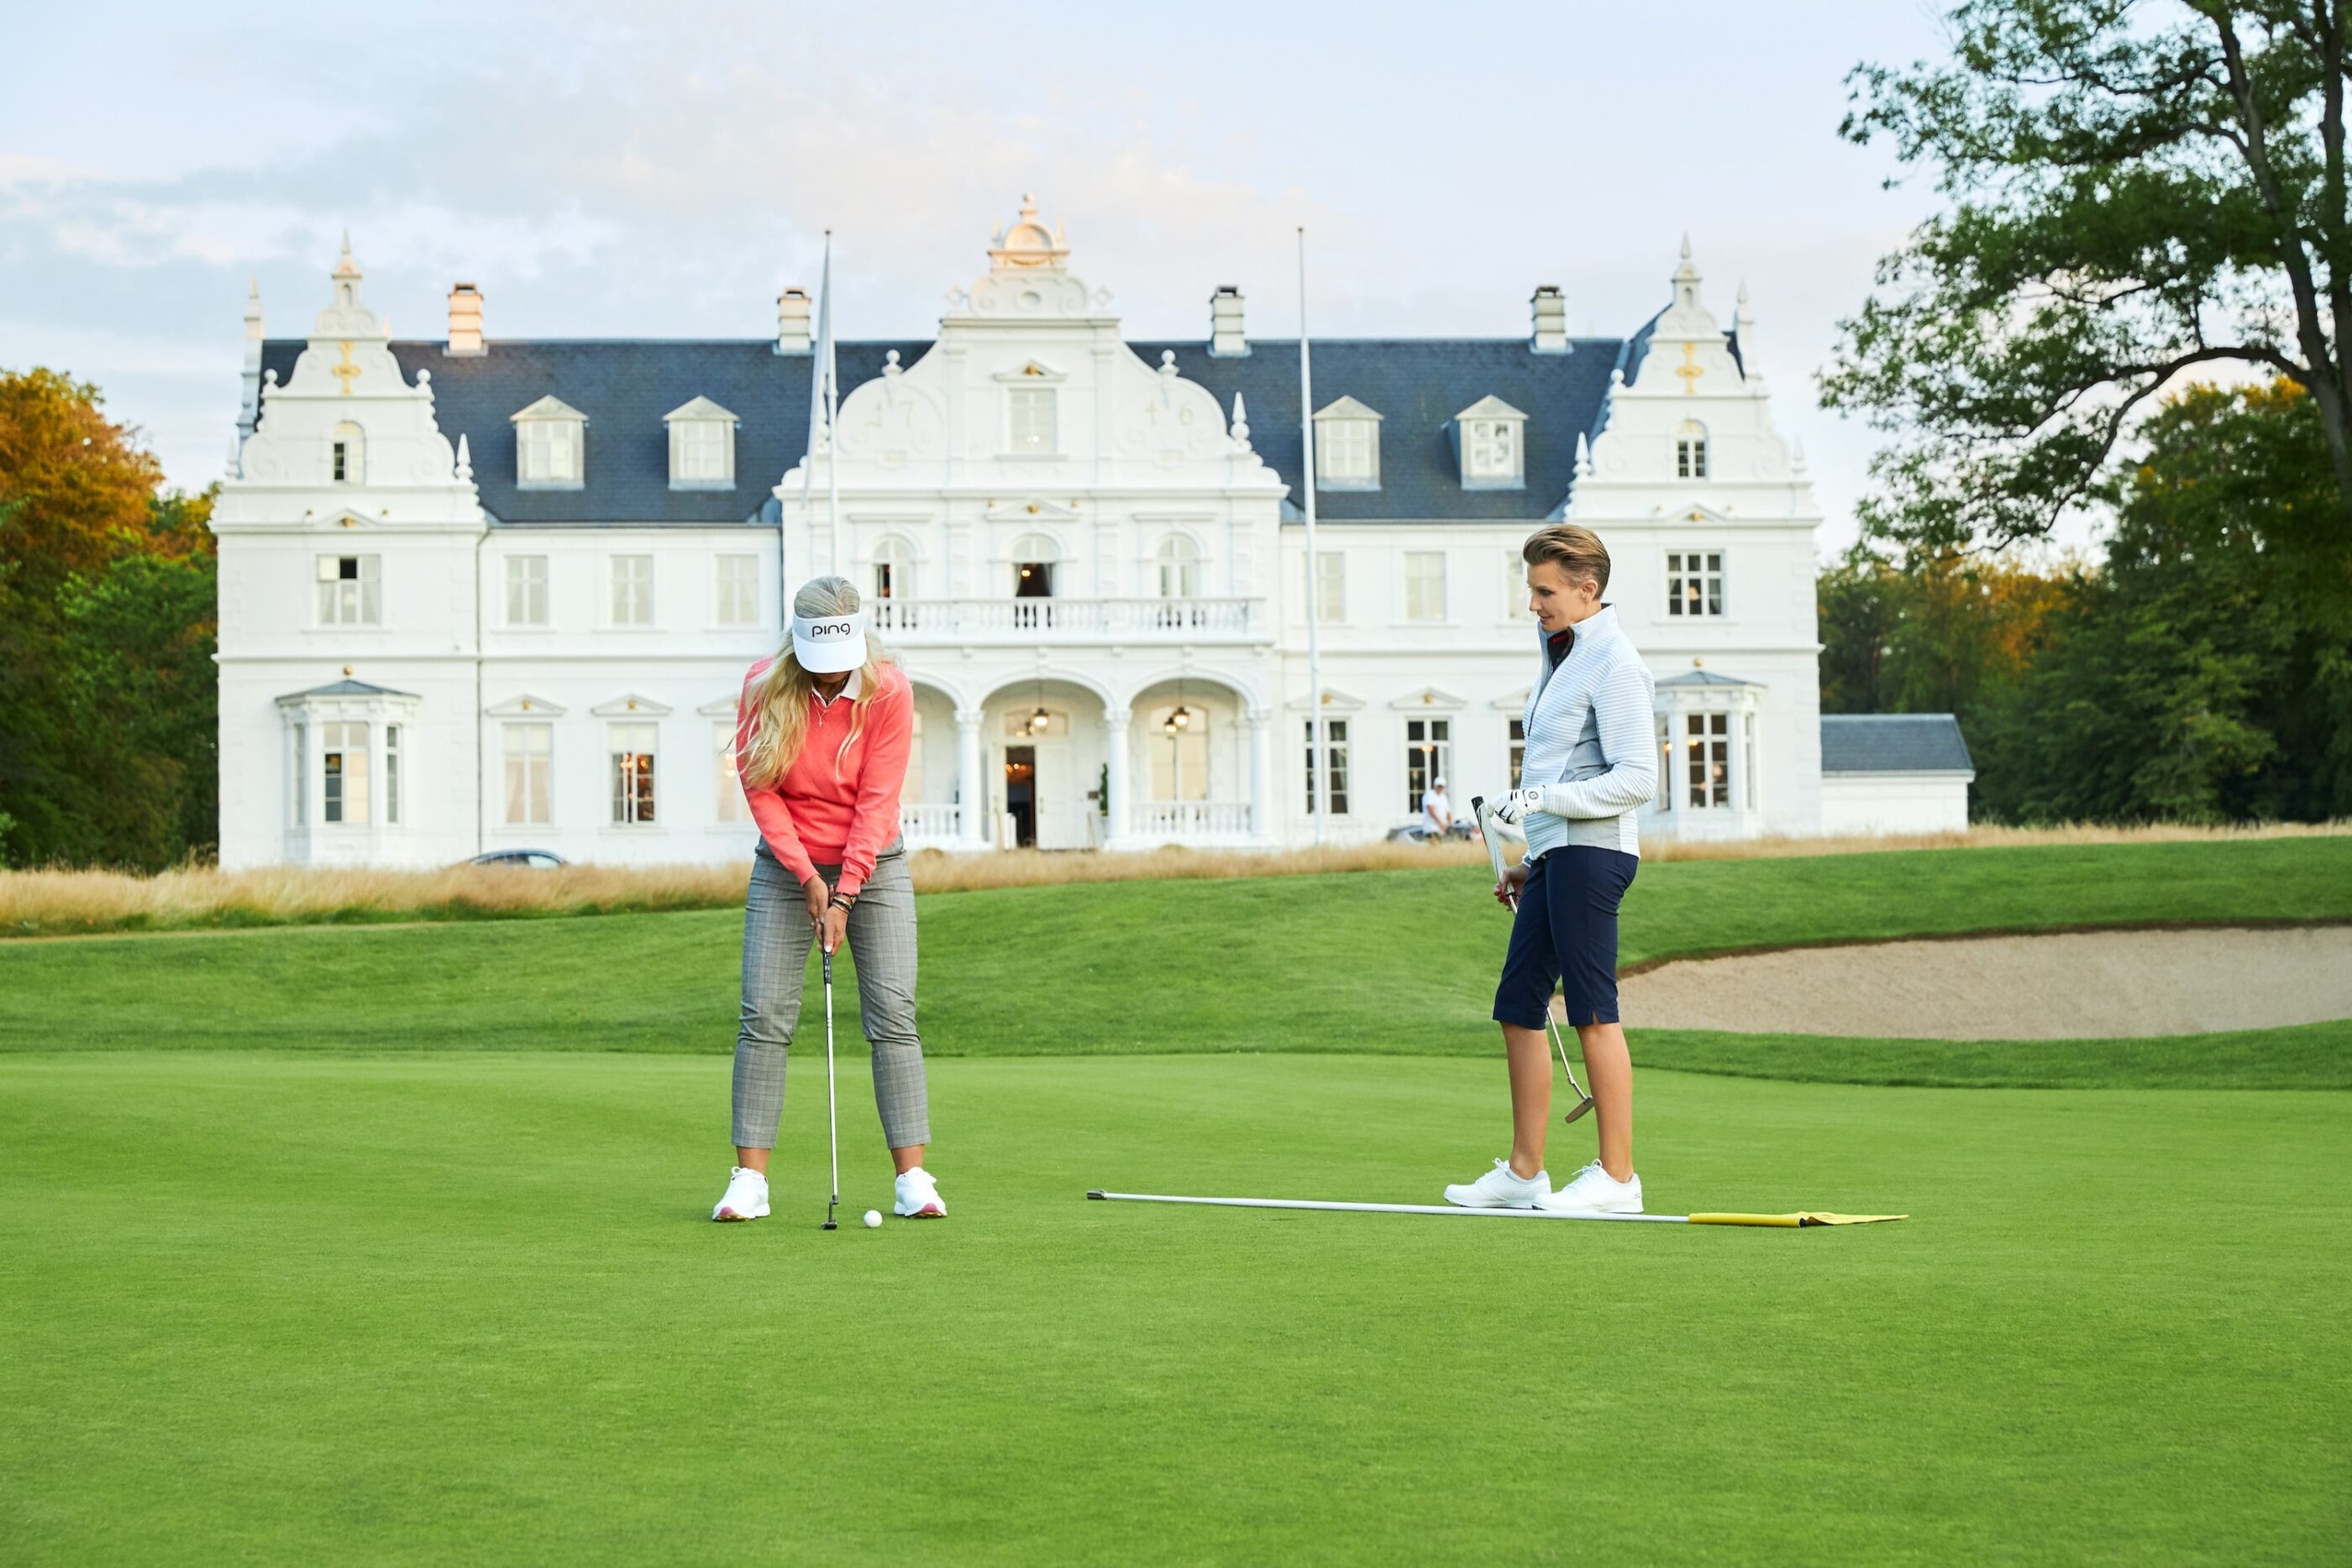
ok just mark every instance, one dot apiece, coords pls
pixel 1183 819
pixel 926 826
pixel 966 620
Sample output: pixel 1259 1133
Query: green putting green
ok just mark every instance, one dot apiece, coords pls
pixel 370 1245
pixel 468 1309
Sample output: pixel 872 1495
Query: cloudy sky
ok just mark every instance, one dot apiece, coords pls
pixel 616 169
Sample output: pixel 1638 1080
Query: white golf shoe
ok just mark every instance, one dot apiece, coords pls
pixel 747 1197
pixel 919 1197
pixel 1501 1188
pixel 1595 1191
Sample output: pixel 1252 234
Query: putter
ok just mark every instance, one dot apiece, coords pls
pixel 832 1115
pixel 1551 1028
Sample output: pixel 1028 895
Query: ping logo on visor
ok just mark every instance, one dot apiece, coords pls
pixel 831 643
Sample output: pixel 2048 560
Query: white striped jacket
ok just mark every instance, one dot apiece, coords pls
pixel 1591 742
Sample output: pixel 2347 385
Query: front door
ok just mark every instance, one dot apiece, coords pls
pixel 1021 794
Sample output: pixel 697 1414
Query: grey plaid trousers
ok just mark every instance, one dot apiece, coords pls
pixel 777 938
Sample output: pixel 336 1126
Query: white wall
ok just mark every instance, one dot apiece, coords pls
pixel 1894 802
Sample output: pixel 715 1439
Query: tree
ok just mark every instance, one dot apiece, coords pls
pixel 2139 190
pixel 2205 674
pixel 106 622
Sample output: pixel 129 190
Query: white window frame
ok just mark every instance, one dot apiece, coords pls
pixel 1022 438
pixel 343 789
pixel 1428 754
pixel 352 598
pixel 550 452
pixel 1331 588
pixel 527 749
pixel 1413 604
pixel 1697 584
pixel 701 450
pixel 892 566
pixel 1335 747
pixel 1347 448
pixel 347 454
pixel 614 604
pixel 526 592
pixel 633 758
pixel 1705 730
pixel 1176 566
pixel 1690 450
pixel 735 602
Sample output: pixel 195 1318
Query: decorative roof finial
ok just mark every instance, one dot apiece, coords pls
pixel 347 267
pixel 1796 458
pixel 465 460
pixel 1583 456
pixel 1027 242
pixel 1241 424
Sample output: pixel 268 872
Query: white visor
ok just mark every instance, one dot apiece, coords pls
pixel 829 644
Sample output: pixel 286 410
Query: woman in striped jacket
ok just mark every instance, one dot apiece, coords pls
pixel 1590 766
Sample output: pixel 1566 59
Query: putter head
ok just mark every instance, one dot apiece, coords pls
pixel 1582 1106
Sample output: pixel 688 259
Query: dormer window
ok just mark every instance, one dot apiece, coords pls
pixel 1493 440
pixel 1346 446
pixel 1690 450
pixel 701 446
pixel 550 446
pixel 347 456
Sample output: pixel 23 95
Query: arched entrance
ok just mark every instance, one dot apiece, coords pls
pixel 1044 764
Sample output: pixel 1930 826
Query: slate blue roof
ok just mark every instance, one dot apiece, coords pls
pixel 1704 679
pixel 346 688
pixel 1893 743
pixel 625 386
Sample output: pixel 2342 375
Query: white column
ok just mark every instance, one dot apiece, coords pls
pixel 1115 724
pixel 1265 821
pixel 972 799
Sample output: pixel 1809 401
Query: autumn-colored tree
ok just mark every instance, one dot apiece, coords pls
pixel 108 697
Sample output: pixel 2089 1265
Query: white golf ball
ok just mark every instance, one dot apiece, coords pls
pixel 873 1220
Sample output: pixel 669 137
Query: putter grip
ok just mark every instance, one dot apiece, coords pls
pixel 828 962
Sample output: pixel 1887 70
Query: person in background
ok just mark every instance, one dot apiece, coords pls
pixel 1437 811
pixel 821 738
pixel 1591 762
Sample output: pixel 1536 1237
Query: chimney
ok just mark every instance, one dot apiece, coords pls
pixel 792 322
pixel 1225 339
pixel 1550 313
pixel 466 320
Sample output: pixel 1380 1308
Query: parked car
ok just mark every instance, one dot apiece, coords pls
pixel 1419 833
pixel 525 860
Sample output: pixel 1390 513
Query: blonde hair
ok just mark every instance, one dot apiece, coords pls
pixel 1576 549
pixel 779 700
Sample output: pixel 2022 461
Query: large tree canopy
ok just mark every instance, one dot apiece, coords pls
pixel 2137 190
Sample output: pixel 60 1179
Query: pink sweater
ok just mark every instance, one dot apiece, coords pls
pixel 841 813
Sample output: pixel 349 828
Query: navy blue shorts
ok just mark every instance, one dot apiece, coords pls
pixel 1566 931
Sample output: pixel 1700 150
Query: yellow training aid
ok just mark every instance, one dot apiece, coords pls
pixel 1810 1217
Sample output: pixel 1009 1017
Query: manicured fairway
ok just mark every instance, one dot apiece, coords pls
pixel 465 1308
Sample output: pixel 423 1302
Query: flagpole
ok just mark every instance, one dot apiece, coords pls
pixel 832 422
pixel 1318 752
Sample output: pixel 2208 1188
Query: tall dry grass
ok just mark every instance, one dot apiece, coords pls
pixel 72 903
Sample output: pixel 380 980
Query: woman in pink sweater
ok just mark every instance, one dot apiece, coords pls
pixel 822 737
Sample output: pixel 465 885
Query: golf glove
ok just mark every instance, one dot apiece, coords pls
pixel 1516 805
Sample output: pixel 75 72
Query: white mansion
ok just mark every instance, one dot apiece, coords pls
pixel 479 595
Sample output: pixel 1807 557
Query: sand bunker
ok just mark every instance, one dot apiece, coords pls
pixel 2074 985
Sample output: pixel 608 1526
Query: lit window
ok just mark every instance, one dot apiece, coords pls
pixel 1690 450
pixel 1029 427
pixel 633 774
pixel 1694 583
pixel 350 592
pixel 739 590
pixel 343 772
pixel 348 455
pixel 1424 586
pixel 1428 754
pixel 529 756
pixel 701 446
pixel 1033 556
pixel 894 567
pixel 1179 561
pixel 526 590
pixel 633 591
pixel 731 807
pixel 1707 759
pixel 1335 742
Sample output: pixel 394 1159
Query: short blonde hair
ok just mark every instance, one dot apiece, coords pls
pixel 1578 550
